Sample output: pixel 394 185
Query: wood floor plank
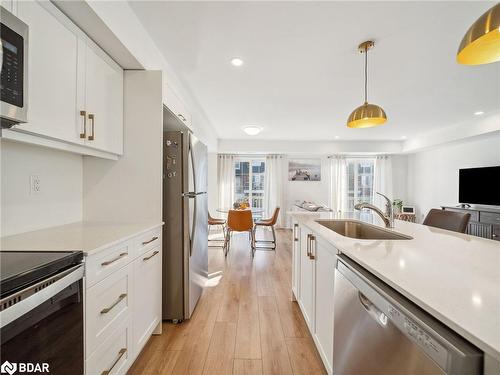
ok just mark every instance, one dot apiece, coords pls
pixel 248 329
pixel 221 352
pixel 275 358
pixel 228 311
pixel 247 367
pixel 304 357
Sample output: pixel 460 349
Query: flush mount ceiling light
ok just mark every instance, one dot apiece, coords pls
pixel 236 61
pixel 481 43
pixel 252 130
pixel 479 113
pixel 366 115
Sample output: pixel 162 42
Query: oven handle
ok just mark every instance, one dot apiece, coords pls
pixel 18 309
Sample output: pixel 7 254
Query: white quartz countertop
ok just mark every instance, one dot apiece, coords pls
pixel 89 237
pixel 454 277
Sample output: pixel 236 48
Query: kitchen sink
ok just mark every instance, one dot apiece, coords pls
pixel 363 231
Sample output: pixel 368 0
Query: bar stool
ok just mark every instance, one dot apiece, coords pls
pixel 239 221
pixel 450 220
pixel 216 222
pixel 271 222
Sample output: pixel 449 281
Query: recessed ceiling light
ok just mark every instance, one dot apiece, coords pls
pixel 403 137
pixel 237 61
pixel 337 137
pixel 479 113
pixel 252 130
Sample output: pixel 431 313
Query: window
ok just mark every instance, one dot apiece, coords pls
pixel 359 181
pixel 249 181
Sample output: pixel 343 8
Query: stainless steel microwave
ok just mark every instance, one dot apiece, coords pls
pixel 14 69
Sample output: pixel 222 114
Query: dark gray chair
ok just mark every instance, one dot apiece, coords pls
pixel 450 220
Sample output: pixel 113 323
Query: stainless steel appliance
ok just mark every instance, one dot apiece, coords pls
pixel 379 332
pixel 185 213
pixel 14 70
pixel 41 311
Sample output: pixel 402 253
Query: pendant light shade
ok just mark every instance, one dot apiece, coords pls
pixel 481 43
pixel 367 115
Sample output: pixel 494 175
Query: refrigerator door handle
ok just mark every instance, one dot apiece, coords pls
pixel 192 194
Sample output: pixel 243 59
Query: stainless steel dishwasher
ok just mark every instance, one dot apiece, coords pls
pixel 377 331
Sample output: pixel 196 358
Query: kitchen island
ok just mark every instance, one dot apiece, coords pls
pixel 454 277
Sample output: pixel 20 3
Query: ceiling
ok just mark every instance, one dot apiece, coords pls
pixel 302 74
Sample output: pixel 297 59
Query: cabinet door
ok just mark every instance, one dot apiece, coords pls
pixel 324 259
pixel 176 106
pixel 103 101
pixel 306 295
pixel 147 296
pixel 296 261
pixel 54 56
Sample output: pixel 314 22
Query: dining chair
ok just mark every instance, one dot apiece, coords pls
pixel 271 222
pixel 450 220
pixel 239 221
pixel 216 222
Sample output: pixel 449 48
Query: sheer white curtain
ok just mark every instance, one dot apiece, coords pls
pixel 225 178
pixel 274 191
pixel 338 183
pixel 382 180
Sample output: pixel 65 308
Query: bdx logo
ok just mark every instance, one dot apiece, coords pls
pixel 11 368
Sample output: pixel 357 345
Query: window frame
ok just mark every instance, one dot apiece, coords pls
pixel 251 159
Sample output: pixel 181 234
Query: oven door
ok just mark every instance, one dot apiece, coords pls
pixel 13 69
pixel 45 328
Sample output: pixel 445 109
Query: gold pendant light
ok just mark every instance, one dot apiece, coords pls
pixel 366 115
pixel 481 43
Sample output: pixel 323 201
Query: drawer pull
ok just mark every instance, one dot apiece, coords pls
pixel 108 262
pixel 151 240
pixel 84 115
pixel 149 257
pixel 495 235
pixel 120 355
pixel 108 309
pixel 92 119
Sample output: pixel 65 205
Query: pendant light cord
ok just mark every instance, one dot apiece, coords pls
pixel 366 75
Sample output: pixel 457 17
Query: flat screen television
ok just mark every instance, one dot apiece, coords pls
pixel 479 186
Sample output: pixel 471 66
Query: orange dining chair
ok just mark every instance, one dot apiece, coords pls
pixel 271 222
pixel 216 222
pixel 239 221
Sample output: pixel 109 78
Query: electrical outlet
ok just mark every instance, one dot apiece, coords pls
pixel 35 185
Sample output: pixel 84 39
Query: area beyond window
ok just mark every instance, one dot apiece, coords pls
pixel 359 181
pixel 249 181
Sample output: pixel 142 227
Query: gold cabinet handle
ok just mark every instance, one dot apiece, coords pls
pixel 151 240
pixel 108 262
pixel 149 257
pixel 182 117
pixel 92 119
pixel 308 248
pixel 295 230
pixel 108 309
pixel 120 355
pixel 84 115
pixel 313 241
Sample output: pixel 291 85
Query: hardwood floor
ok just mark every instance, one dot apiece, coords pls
pixel 244 325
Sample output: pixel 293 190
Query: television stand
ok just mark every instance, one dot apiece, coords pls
pixel 484 222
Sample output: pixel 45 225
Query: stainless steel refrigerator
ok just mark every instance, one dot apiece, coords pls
pixel 185 233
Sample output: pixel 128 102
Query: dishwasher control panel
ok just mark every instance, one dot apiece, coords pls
pixel 419 336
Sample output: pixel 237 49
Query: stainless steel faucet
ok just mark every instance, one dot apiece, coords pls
pixel 388 216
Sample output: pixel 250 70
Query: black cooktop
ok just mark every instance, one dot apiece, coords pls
pixel 18 269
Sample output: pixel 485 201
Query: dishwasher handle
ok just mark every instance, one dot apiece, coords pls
pixel 372 310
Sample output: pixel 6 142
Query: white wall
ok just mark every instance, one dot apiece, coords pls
pixel 433 174
pixel 60 199
pixel 130 188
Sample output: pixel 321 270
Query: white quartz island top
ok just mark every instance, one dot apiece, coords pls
pixel 454 277
pixel 89 237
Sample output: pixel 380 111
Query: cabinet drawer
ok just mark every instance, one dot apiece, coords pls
pixel 107 304
pixel 148 241
pixel 489 218
pixel 114 355
pixel 105 262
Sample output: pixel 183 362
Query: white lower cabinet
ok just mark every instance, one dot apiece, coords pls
pixel 314 267
pixel 306 295
pixel 122 302
pixel 147 296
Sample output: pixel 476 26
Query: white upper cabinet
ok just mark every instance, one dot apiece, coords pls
pixel 52 75
pixel 103 102
pixel 176 106
pixel 75 88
